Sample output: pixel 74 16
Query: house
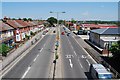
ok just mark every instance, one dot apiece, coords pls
pixel 17 29
pixel 25 30
pixel 6 34
pixel 104 37
pixel 34 27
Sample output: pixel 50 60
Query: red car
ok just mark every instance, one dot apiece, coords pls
pixel 62 33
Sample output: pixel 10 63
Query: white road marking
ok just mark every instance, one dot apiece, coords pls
pixel 75 53
pixel 80 63
pixel 85 51
pixel 26 72
pixel 88 62
pixel 36 58
pixel 41 49
pixel 71 65
pixel 69 56
pixel 83 56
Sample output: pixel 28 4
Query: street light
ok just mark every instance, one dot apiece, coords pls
pixel 57 15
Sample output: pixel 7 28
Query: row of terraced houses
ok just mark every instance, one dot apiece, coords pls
pixel 13 32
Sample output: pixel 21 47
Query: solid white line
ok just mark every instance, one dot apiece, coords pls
pixel 88 62
pixel 41 49
pixel 71 65
pixel 80 63
pixel 26 72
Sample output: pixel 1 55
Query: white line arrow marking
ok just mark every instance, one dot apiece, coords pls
pixel 71 65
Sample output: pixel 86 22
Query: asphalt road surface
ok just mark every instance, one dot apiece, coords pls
pixel 37 63
pixel 75 60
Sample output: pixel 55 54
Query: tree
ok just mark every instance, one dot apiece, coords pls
pixel 4 49
pixel 61 22
pixel 73 21
pixel 13 18
pixel 19 19
pixel 115 49
pixel 29 19
pixel 52 20
pixel 25 19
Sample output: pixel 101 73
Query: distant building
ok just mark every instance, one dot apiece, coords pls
pixel 87 27
pixel 104 37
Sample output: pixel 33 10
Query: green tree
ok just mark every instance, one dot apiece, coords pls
pixel 115 49
pixel 73 21
pixel 52 20
pixel 13 18
pixel 25 19
pixel 19 19
pixel 4 49
pixel 29 19
pixel 61 22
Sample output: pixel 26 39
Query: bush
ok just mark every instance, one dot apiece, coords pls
pixel 31 33
pixel 4 49
pixel 56 56
pixel 28 37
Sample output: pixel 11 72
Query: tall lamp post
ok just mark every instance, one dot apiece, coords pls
pixel 57 16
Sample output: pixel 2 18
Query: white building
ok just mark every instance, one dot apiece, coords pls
pixel 105 37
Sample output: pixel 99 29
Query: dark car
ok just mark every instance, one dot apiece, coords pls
pixel 53 31
pixel 68 34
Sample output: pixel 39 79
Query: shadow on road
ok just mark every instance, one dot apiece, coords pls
pixel 88 75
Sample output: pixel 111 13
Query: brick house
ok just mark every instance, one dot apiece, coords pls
pixel 6 34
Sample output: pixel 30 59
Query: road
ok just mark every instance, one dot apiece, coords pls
pixel 75 60
pixel 37 63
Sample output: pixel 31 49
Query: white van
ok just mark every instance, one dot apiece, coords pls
pixel 98 71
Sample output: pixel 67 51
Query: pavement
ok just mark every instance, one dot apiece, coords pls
pixel 84 36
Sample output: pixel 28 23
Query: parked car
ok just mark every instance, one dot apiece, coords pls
pixel 44 33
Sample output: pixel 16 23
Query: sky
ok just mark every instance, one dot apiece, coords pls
pixel 107 11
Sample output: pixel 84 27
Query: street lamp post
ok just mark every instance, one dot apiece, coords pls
pixel 57 16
